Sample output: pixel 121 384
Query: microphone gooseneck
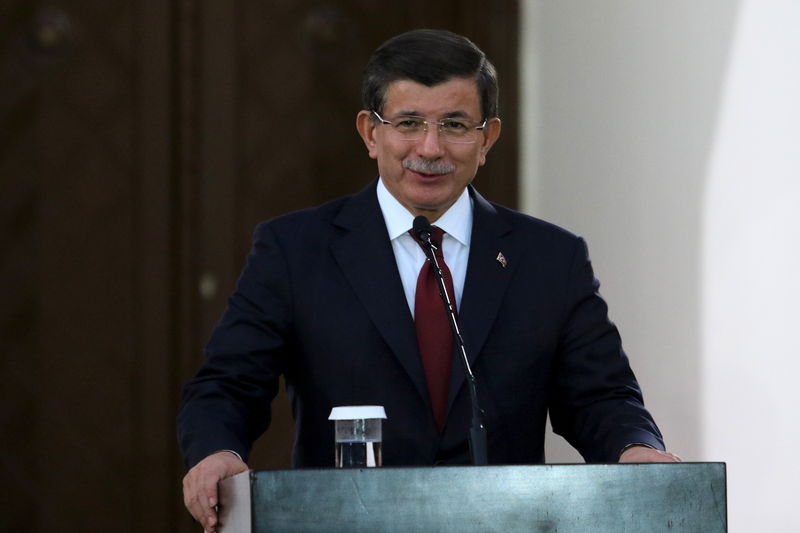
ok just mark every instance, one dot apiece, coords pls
pixel 477 433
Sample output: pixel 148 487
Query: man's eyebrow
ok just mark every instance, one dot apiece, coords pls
pixel 456 114
pixel 408 113
pixel 415 113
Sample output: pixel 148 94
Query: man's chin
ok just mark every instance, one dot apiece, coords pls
pixel 432 208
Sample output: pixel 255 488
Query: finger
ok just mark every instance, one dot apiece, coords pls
pixel 198 499
pixel 200 490
pixel 201 512
pixel 667 457
pixel 208 511
pixel 205 516
pixel 210 498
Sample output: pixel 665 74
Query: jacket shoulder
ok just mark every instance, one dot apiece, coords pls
pixel 535 228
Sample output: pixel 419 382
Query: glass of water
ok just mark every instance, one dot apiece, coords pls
pixel 359 438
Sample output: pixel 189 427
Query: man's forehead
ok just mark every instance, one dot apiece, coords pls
pixel 452 98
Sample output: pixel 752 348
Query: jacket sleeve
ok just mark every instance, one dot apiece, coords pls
pixel 227 404
pixel 596 402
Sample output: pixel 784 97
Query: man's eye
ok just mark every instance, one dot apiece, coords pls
pixel 454 125
pixel 408 124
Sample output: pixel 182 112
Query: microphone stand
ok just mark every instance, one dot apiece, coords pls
pixel 477 432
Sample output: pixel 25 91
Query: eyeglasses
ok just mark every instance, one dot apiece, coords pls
pixel 451 130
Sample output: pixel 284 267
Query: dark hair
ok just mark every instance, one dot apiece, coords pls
pixel 429 57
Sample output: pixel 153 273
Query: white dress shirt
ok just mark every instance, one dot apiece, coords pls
pixel 456 222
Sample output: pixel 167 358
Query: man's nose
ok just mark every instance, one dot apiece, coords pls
pixel 431 144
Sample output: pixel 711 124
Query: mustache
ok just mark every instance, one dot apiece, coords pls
pixel 426 166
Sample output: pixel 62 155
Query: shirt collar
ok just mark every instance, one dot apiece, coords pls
pixel 456 221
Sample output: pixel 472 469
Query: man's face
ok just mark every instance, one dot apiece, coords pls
pixel 428 175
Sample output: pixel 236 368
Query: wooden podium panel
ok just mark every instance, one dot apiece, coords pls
pixel 635 498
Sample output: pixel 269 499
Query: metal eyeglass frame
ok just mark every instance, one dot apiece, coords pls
pixel 437 123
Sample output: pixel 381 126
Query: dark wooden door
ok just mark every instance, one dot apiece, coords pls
pixel 87 315
pixel 140 143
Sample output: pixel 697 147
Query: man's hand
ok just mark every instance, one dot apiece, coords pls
pixel 200 486
pixel 643 454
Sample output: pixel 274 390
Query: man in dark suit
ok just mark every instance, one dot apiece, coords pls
pixel 329 299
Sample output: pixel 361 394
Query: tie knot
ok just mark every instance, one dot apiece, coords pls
pixel 436 235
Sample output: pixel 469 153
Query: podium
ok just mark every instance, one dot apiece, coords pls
pixel 618 498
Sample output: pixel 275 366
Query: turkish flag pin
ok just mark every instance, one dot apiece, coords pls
pixel 501 259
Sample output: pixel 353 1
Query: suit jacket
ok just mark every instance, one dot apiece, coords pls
pixel 321 302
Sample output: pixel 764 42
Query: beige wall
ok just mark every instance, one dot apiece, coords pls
pixel 644 131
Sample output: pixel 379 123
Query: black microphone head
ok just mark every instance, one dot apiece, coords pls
pixel 421 223
pixel 422 229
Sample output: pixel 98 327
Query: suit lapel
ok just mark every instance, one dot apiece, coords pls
pixel 364 253
pixel 485 285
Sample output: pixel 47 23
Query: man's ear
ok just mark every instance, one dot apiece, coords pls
pixel 366 128
pixel 490 135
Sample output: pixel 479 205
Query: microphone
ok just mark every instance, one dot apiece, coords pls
pixel 477 433
pixel 422 229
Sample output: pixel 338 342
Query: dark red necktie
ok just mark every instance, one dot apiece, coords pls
pixel 434 337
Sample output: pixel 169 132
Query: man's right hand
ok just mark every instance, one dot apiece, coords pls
pixel 200 486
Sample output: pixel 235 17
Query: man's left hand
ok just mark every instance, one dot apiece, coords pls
pixel 643 454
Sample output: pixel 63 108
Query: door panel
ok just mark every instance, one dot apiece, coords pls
pixel 140 143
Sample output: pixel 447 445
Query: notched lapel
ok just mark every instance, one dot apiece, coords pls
pixel 486 283
pixel 365 256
